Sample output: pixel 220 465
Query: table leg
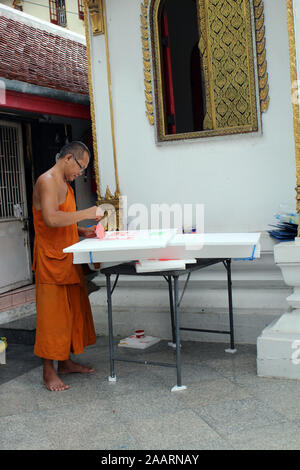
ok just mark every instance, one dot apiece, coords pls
pixel 112 377
pixel 173 343
pixel 179 385
pixel 229 287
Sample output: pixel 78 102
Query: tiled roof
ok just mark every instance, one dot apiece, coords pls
pixel 39 57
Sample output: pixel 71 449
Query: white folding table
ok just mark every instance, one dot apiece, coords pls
pixel 123 253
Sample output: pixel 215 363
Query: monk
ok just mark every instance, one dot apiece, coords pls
pixel 64 319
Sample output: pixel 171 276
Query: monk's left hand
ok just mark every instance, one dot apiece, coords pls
pixel 88 232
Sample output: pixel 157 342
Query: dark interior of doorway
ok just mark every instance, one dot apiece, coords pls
pixel 41 145
pixel 47 140
pixel 182 76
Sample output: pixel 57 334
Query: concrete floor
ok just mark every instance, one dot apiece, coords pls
pixel 225 406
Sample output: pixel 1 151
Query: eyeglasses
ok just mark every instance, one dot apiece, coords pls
pixel 82 169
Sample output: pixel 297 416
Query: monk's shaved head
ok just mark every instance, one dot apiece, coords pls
pixel 76 148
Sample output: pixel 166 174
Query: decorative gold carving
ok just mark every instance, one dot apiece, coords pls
pixel 209 119
pixel 295 103
pixel 96 14
pixel 108 194
pixel 146 61
pixel 259 9
pixel 148 96
pixel 147 66
pixel 147 76
pixel 261 55
pixel 148 87
pixel 18 4
pixel 113 211
pixel 144 33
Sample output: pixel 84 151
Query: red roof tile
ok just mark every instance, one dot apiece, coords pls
pixel 42 58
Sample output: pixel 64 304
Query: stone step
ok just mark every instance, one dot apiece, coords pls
pixel 20 331
pixel 17 297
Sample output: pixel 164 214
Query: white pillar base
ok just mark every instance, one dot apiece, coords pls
pixel 278 348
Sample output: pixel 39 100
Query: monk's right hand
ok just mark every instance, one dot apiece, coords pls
pixel 94 212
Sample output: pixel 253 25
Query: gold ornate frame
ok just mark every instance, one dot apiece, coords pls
pixel 295 104
pixel 112 204
pixel 149 19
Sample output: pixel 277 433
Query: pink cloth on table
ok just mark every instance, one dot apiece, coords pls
pixel 100 232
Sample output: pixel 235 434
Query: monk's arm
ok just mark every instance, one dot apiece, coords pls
pixel 52 216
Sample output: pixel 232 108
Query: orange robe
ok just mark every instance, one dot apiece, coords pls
pixel 64 318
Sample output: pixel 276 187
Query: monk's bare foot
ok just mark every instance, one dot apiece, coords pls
pixel 51 381
pixel 69 367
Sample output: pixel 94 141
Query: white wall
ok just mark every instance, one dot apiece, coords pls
pixel 241 179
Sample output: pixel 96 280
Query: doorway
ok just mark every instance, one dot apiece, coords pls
pixel 15 266
pixel 28 146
